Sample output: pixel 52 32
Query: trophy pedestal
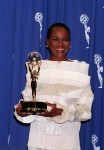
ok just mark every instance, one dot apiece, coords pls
pixel 33 107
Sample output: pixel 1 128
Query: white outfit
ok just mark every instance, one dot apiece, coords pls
pixel 68 85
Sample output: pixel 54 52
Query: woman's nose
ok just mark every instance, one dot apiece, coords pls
pixel 60 43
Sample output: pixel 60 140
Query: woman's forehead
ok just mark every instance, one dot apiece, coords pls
pixel 59 30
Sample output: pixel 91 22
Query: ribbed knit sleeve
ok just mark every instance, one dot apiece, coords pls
pixel 66 84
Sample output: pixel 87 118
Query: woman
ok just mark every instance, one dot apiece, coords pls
pixel 65 85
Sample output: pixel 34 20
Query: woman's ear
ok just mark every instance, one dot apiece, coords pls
pixel 47 43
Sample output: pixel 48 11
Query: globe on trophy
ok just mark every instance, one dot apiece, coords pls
pixel 34 106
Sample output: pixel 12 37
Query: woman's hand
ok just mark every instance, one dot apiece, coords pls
pixel 19 112
pixel 54 111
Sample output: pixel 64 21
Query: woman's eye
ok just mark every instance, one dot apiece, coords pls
pixel 66 40
pixel 63 40
pixel 55 39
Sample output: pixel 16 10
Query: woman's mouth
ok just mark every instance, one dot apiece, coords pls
pixel 60 50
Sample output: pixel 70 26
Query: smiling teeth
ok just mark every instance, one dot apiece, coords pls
pixel 60 49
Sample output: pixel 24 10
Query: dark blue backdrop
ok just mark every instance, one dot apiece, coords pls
pixel 23 28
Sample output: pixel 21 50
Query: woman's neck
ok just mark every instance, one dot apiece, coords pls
pixel 55 59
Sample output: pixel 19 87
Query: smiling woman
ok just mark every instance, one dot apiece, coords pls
pixel 65 86
pixel 58 41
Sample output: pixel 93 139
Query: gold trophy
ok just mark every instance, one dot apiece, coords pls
pixel 34 106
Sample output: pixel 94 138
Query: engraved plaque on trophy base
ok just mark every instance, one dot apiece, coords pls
pixel 34 107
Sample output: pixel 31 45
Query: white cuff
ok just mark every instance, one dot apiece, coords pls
pixel 66 115
pixel 82 113
pixel 27 119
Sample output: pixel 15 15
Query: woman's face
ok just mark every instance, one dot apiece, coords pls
pixel 59 43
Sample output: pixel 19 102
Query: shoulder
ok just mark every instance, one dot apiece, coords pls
pixel 81 66
pixel 80 62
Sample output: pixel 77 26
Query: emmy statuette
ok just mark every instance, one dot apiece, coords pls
pixel 34 106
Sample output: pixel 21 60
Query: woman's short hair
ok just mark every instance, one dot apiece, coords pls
pixel 58 25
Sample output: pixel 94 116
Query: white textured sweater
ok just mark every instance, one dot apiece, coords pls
pixel 66 84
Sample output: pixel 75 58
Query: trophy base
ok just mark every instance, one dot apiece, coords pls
pixel 33 107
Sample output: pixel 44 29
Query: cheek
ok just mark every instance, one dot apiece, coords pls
pixel 52 45
pixel 67 46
